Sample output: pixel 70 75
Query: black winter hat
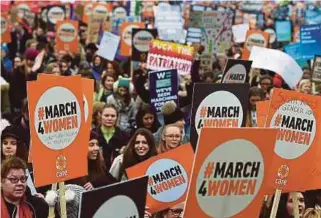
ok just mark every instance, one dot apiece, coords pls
pixel 12 131
pixel 171 113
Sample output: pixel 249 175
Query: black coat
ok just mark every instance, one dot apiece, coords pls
pixel 112 148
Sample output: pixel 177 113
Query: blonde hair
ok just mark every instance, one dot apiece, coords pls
pixel 162 148
pixel 303 82
pixel 312 213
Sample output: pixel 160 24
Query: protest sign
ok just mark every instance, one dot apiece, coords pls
pixel 262 110
pixel 123 200
pixel 254 38
pixel 116 22
pixel 230 173
pixel 297 117
pixel 57 130
pixel 126 29
pixel 67 36
pixel 87 10
pixel 108 46
pixel 5 29
pixel 54 14
pixel 294 50
pixel 22 8
pixel 119 12
pixel 169 175
pixel 312 14
pixel 310 41
pixel 277 61
pixel 163 87
pixel 251 6
pixel 218 105
pixel 141 39
pixel 236 71
pixel 283 31
pixel 167 55
pixel 316 70
pixel 239 32
pixel 272 38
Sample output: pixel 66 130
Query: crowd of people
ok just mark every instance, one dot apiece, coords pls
pixel 126 129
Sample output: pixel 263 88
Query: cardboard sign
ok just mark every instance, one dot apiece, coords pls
pixel 230 173
pixel 310 41
pixel 67 36
pixel 126 29
pixel 57 130
pixel 239 32
pixel 262 110
pixel 297 117
pixel 283 31
pixel 55 13
pixel 236 71
pixel 163 87
pixel 169 175
pixel 316 71
pixel 123 200
pixel 279 62
pixel 108 46
pixel 140 43
pixel 167 55
pixel 254 38
pixel 5 28
pixel 218 106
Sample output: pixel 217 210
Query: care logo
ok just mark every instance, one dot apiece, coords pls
pixel 219 109
pixel 236 74
pixel 55 14
pixel 127 34
pixel 228 181
pixel 4 25
pixel 67 32
pixel 255 39
pixel 168 180
pixel 61 165
pixel 142 40
pixel 297 127
pixel 107 210
pixel 57 118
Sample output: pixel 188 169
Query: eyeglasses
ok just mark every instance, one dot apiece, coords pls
pixel 15 180
pixel 176 212
pixel 173 136
pixel 265 84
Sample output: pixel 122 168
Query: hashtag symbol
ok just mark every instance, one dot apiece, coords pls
pixel 278 120
pixel 209 170
pixel 41 113
pixel 203 112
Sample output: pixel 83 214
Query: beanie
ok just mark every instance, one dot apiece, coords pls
pixel 93 135
pixel 171 113
pixel 12 131
pixel 31 54
pixel 124 82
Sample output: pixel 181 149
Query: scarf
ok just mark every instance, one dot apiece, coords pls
pixel 24 210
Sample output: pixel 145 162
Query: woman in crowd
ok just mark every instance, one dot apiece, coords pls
pixel 312 213
pixel 97 67
pixel 286 209
pixel 171 138
pixel 107 87
pixel 305 86
pixel 96 117
pixel 266 83
pixel 140 148
pixel 124 103
pixel 146 117
pixel 110 137
pixel 255 95
pixel 173 212
pixel 12 145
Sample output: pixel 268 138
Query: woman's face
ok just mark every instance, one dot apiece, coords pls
pixel 289 204
pixel 122 91
pixel 17 62
pixel 109 117
pixel 97 61
pixel 30 63
pixel 306 88
pixel 253 100
pixel 172 137
pixel 110 68
pixel 93 149
pixel 148 120
pixel 141 146
pixel 56 70
pixel 265 84
pixel 109 82
pixel 9 146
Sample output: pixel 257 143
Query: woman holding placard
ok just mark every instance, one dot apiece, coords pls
pixel 286 205
pixel 140 148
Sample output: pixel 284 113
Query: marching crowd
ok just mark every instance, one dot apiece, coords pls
pixel 126 129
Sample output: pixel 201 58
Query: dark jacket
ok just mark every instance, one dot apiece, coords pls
pixel 18 46
pixel 111 149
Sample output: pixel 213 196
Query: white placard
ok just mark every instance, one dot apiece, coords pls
pixel 108 46
pixel 239 32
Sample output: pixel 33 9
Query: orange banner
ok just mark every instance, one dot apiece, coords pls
pixel 230 173
pixel 57 130
pixel 297 117
pixel 262 110
pixel 254 38
pixel 169 175
pixel 67 36
pixel 126 29
pixel 5 28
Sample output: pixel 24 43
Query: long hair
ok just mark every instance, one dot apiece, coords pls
pixel 147 109
pixel 162 148
pixel 130 156
pixel 282 210
pixel 96 168
pixel 21 151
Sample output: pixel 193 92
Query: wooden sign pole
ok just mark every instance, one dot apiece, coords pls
pixel 276 202
pixel 63 206
pixel 295 204
pixel 52 208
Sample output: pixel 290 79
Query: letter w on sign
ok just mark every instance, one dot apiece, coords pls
pixel 161 75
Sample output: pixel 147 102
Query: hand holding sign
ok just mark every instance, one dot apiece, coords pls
pixel 36 66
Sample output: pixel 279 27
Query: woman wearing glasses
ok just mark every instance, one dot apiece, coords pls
pixel 16 201
pixel 173 212
pixel 171 138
